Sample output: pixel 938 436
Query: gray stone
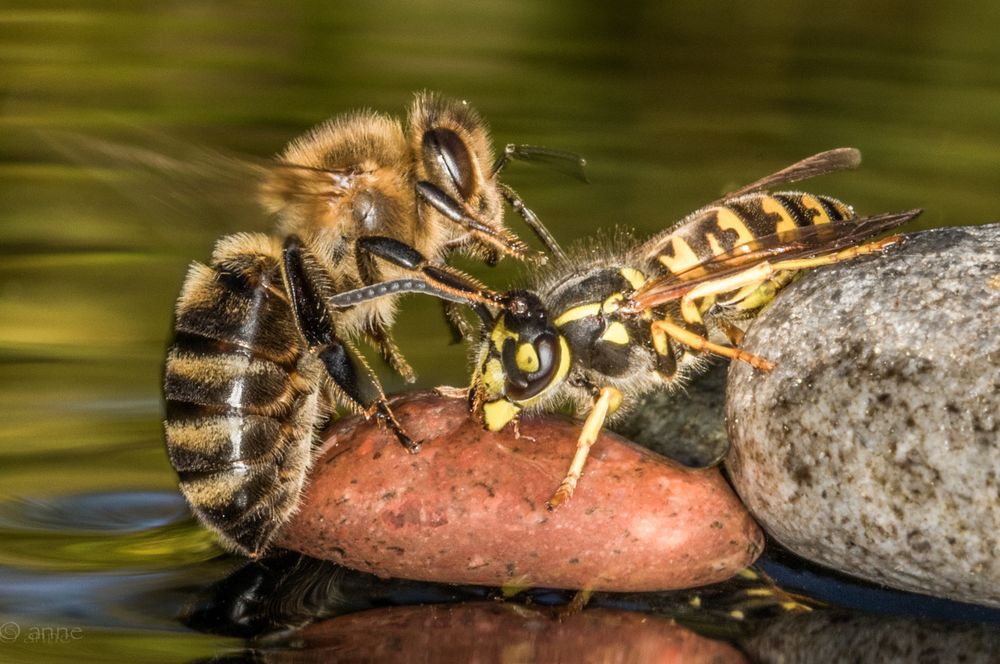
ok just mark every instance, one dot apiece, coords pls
pixel 833 636
pixel 874 445
pixel 686 425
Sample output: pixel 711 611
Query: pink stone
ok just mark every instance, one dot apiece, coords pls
pixel 470 507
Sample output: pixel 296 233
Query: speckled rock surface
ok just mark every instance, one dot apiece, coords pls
pixel 832 636
pixel 686 425
pixel 874 445
pixel 470 507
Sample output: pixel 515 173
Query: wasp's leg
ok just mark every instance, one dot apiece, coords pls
pixel 577 604
pixel 874 247
pixel 666 362
pixel 532 220
pixel 732 332
pixel 499 238
pixel 747 281
pixel 305 283
pixel 661 329
pixel 606 401
pixel 441 277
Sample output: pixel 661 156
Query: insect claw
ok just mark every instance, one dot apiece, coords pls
pixel 562 494
pixel 452 392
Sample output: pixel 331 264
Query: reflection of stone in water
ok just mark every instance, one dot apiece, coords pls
pixel 290 590
pixel 287 589
pixel 494 632
pixel 833 636
pixel 686 425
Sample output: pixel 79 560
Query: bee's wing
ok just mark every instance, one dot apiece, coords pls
pixel 801 242
pixel 567 163
pixel 182 188
pixel 838 159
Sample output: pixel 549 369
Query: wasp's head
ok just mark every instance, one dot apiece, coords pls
pixel 523 358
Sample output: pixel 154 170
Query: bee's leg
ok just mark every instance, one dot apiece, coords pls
pixel 381 338
pixel 532 220
pixel 470 243
pixel 340 366
pixel 500 238
pixel 305 284
pixel 442 277
pixel 377 334
pixel 606 401
pixel 661 329
pixel 459 327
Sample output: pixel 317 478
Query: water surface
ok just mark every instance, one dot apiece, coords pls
pixel 671 106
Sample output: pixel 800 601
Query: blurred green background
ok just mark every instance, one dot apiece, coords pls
pixel 671 105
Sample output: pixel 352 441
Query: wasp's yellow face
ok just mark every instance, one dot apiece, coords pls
pixel 523 359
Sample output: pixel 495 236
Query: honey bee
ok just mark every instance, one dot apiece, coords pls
pixel 259 359
pixel 601 328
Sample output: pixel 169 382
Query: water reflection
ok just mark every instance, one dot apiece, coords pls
pixel 95 512
pixel 835 636
pixel 98 532
pixel 494 632
pixel 289 590
pixel 293 608
pixel 672 103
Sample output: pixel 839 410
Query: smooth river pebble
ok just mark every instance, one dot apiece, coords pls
pixel 874 445
pixel 470 507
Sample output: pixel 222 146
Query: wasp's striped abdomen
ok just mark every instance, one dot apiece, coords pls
pixel 241 394
pixel 720 228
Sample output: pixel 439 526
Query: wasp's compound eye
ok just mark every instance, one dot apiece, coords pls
pixel 530 367
pixel 445 148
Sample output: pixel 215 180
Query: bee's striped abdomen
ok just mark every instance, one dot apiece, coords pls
pixel 242 398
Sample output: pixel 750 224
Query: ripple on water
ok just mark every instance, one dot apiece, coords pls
pixel 121 530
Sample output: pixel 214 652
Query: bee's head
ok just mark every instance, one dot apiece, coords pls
pixel 523 358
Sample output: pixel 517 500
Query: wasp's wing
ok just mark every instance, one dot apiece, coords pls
pixel 184 189
pixel 801 242
pixel 831 161
pixel 819 164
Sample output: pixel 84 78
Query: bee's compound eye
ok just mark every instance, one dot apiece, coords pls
pixel 448 152
pixel 522 385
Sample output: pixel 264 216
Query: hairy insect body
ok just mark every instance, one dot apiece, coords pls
pixel 261 355
pixel 614 347
pixel 647 317
pixel 601 328
pixel 242 393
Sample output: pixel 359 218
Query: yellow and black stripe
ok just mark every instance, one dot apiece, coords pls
pixel 742 221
